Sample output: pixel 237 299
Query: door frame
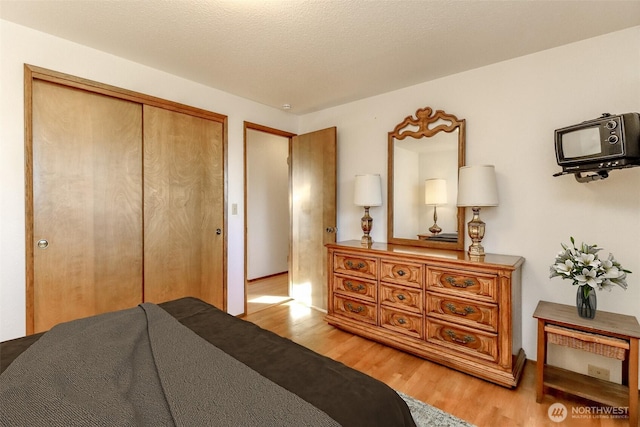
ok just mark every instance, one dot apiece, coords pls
pixel 271 131
pixel 32 73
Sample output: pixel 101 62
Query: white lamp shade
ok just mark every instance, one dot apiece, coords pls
pixel 477 186
pixel 435 191
pixel 368 191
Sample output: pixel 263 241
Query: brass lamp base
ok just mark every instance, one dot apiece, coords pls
pixel 476 229
pixel 367 223
pixel 435 229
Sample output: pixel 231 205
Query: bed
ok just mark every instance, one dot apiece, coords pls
pixel 263 379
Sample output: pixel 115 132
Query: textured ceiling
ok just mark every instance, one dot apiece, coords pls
pixel 318 54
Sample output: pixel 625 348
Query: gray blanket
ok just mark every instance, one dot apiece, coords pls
pixel 141 367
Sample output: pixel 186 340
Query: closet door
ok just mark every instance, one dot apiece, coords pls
pixel 183 207
pixel 87 209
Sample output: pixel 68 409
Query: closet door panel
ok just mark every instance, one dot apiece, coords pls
pixel 87 204
pixel 183 207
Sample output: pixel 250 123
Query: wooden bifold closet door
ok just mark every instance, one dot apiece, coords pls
pixel 126 203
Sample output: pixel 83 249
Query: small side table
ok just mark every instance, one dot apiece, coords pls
pixel 610 333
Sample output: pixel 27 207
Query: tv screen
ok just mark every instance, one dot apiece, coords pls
pixel 580 143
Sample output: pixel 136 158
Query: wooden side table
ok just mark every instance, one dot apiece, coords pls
pixel 609 334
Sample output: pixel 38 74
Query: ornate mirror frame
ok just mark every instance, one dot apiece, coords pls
pixel 425 124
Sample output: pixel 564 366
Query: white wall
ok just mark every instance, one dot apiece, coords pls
pixel 407 197
pixel 267 204
pixel 512 109
pixel 19 45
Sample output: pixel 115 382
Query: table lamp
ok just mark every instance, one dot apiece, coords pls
pixel 435 193
pixel 367 193
pixel 477 188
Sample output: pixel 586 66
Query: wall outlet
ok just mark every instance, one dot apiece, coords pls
pixel 598 372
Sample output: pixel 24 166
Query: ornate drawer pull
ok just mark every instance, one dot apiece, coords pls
pixel 465 284
pixel 401 297
pixel 360 309
pixel 467 310
pixel 349 285
pixel 402 321
pixel 401 273
pixel 358 266
pixel 464 340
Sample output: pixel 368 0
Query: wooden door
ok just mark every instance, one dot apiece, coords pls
pixel 183 207
pixel 87 209
pixel 313 213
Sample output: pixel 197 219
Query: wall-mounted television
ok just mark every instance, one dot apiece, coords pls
pixel 599 145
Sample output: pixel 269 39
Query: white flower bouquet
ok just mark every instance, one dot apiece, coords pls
pixel 583 267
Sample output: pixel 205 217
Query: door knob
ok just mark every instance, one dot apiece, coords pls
pixel 43 244
pixel 218 231
pixel 331 229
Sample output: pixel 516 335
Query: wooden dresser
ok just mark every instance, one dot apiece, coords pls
pixel 436 304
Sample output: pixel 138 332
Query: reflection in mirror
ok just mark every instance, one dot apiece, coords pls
pixel 425 153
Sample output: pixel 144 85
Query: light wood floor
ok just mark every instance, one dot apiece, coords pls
pixel 267 292
pixel 476 401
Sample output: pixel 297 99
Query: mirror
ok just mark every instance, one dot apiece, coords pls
pixel 425 153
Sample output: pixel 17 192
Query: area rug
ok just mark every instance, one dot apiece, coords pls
pixel 428 416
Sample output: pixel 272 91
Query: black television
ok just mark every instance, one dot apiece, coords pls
pixel 599 145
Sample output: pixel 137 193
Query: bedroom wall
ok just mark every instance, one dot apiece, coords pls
pixel 512 109
pixel 19 45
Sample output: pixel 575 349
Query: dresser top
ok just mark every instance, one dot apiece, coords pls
pixel 417 251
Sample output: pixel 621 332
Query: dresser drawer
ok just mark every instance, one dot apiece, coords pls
pixel 403 273
pixel 355 265
pixel 354 309
pixel 405 298
pixel 350 286
pixel 464 311
pixel 474 342
pixel 463 283
pixel 400 321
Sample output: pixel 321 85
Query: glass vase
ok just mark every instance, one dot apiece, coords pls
pixel 586 302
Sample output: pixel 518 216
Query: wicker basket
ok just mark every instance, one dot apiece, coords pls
pixel 605 346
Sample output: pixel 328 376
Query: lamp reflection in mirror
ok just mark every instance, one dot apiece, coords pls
pixel 367 193
pixel 477 188
pixel 435 193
